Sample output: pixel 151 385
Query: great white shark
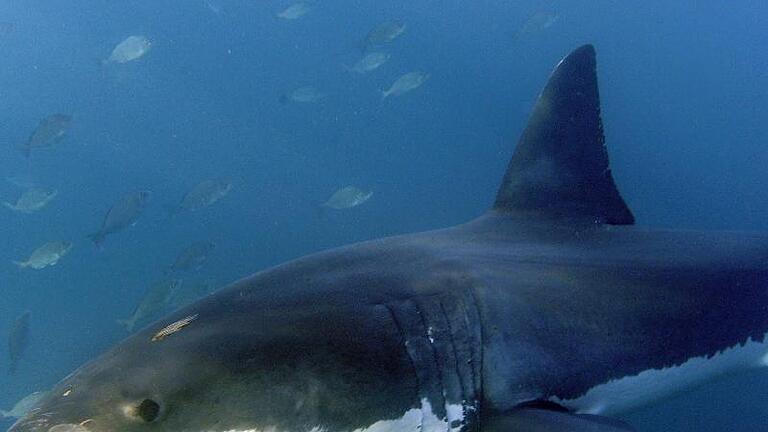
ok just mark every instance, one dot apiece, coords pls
pixel 551 312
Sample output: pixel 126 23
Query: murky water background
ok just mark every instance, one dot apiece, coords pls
pixel 214 97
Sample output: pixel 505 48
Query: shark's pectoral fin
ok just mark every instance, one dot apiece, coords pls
pixel 559 170
pixel 544 420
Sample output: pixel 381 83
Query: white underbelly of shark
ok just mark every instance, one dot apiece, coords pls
pixel 624 394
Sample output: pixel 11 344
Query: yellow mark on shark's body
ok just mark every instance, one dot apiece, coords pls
pixel 173 328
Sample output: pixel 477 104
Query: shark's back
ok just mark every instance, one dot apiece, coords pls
pixel 572 314
pixel 575 305
pixel 581 307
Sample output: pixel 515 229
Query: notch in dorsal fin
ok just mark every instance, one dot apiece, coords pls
pixel 560 166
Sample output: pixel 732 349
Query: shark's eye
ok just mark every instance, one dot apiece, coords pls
pixel 148 410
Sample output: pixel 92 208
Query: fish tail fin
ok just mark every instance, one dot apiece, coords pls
pixel 97 238
pixel 384 94
pixel 20 264
pixel 4 414
pixel 9 205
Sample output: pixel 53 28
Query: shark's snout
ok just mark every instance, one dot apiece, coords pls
pixel 34 422
pixel 48 422
pixel 53 414
pixel 68 427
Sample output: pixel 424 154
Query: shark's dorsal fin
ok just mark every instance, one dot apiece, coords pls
pixel 560 166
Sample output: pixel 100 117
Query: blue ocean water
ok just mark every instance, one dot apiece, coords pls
pixel 684 90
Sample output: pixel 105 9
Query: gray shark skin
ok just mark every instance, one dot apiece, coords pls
pixel 544 314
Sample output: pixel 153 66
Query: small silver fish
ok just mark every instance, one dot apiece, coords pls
pixel 306 94
pixel 130 49
pixel 347 197
pixel 193 256
pixel 154 301
pixel 18 339
pixel 204 194
pixel 48 131
pixel 294 11
pixel 46 255
pixel 538 21
pixel 370 62
pixel 383 33
pixel 121 215
pixel 406 83
pixel 32 200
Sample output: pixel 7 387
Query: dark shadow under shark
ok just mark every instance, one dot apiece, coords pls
pixel 547 313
